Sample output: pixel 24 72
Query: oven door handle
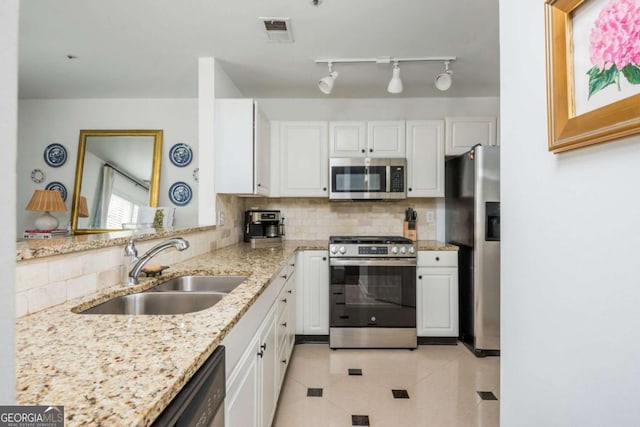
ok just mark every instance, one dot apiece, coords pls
pixel 386 262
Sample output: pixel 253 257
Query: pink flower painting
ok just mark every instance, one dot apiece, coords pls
pixel 615 45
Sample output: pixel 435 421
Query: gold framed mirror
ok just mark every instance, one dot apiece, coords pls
pixel 117 177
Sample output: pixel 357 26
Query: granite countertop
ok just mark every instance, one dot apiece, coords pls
pixel 35 248
pixel 125 369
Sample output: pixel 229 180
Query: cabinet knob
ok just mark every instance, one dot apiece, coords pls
pixel 259 185
pixel 410 189
pixel 284 300
pixel 293 264
pixel 437 258
pixel 420 277
pixel 324 258
pixel 371 150
pixel 324 188
pixel 363 150
pixel 284 325
pixel 289 291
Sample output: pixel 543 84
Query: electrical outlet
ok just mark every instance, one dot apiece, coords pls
pixel 430 216
pixel 220 217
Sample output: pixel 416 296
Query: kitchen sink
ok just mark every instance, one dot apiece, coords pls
pixel 223 284
pixel 157 303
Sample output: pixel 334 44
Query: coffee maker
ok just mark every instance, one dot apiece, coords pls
pixel 263 228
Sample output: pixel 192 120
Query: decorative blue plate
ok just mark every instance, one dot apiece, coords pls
pixel 55 185
pixel 180 155
pixel 55 155
pixel 180 193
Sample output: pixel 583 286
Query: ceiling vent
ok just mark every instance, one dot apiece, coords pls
pixel 277 29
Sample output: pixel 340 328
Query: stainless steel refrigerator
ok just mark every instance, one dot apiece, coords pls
pixel 472 203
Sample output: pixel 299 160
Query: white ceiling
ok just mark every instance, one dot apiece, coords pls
pixel 150 48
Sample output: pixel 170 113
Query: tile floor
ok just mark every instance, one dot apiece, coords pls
pixel 441 382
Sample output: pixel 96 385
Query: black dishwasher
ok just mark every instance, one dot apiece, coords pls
pixel 201 400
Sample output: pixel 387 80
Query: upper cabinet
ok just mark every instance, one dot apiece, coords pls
pixel 303 160
pixel 462 133
pixel 367 139
pixel 425 158
pixel 242 148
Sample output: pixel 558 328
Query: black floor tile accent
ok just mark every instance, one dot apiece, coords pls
pixel 360 420
pixel 314 392
pixel 487 395
pixel 355 372
pixel 400 394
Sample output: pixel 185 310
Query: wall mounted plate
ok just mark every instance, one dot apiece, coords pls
pixel 55 155
pixel 37 176
pixel 180 155
pixel 180 193
pixel 55 185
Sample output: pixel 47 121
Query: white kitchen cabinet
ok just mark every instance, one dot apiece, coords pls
pixel 437 294
pixel 242 148
pixel 462 133
pixel 304 159
pixel 314 293
pixel 367 139
pixel 255 347
pixel 425 158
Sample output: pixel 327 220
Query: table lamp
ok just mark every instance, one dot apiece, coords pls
pixel 83 210
pixel 46 201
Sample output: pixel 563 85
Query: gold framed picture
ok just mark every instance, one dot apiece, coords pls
pixel 593 71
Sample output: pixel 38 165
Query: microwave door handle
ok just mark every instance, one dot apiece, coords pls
pixel 366 179
pixel 387 183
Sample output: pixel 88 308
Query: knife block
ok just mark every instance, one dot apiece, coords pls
pixel 411 234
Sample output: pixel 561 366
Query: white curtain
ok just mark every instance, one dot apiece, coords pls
pixel 105 188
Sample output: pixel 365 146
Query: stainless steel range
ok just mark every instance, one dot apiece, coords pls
pixel 372 292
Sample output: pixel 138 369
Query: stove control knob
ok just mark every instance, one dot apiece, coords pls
pixel 333 249
pixel 412 250
pixel 403 250
pixel 343 250
pixel 394 250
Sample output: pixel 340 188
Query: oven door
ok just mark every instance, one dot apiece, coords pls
pixel 372 293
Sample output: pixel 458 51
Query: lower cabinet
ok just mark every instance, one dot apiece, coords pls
pixel 437 294
pixel 313 284
pixel 254 382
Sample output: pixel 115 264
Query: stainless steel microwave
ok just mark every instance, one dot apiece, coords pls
pixel 363 178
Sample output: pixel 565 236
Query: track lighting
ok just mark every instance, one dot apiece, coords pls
pixel 395 84
pixel 443 81
pixel 326 83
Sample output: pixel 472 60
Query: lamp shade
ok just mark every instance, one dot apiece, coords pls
pixel 395 84
pixel 326 83
pixel 83 210
pixel 443 81
pixel 46 201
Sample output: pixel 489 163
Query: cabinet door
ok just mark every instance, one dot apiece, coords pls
pixel 234 145
pixel 437 302
pixel 462 133
pixel 316 293
pixel 347 139
pixel 386 139
pixel 262 153
pixel 267 353
pixel 425 158
pixel 242 406
pixel 304 159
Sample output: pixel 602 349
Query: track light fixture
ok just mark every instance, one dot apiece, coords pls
pixel 442 81
pixel 395 84
pixel 326 83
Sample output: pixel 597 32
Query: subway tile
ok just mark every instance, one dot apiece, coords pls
pixel 81 286
pixel 111 277
pixel 65 267
pixel 31 275
pixel 22 304
pixel 46 296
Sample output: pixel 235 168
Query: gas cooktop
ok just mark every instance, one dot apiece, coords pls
pixel 369 240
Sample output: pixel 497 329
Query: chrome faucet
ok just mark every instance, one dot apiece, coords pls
pixel 176 242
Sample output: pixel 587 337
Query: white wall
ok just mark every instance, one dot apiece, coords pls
pixel 8 136
pixel 377 108
pixel 42 122
pixel 570 256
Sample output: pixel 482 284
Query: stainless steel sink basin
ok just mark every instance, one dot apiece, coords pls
pixel 157 303
pixel 223 284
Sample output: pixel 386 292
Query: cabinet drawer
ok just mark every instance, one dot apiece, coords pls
pixel 437 258
pixel 283 327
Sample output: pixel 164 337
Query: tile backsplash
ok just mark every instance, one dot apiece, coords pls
pixel 315 219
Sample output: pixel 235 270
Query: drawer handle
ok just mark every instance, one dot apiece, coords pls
pixel 284 300
pixel 284 276
pixel 284 361
pixel 264 346
pixel 292 265
pixel 284 324
pixel 261 353
pixel 289 291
